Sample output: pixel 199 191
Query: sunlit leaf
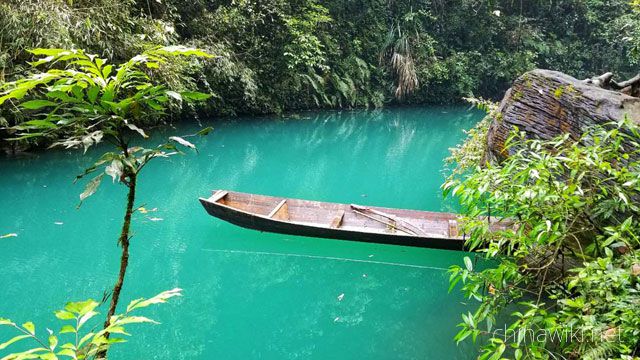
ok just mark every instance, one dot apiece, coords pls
pixel 67 329
pixel 182 141
pixel 174 95
pixel 84 318
pixel 6 322
pixel 53 342
pixel 115 170
pixel 137 129
pixel 13 340
pixel 64 315
pixel 160 298
pixel 467 263
pixel 91 187
pixel 81 307
pixel 30 327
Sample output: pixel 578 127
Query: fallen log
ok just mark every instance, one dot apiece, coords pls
pixel 545 104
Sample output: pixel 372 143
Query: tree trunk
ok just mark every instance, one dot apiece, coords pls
pixel 545 104
pixel 123 241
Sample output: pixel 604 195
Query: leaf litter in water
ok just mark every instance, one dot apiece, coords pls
pixel 143 210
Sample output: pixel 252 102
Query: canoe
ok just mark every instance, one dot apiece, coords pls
pixel 336 221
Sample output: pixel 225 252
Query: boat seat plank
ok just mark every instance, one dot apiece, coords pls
pixel 218 195
pixel 337 220
pixel 281 211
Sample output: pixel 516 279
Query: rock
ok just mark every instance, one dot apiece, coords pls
pixel 545 104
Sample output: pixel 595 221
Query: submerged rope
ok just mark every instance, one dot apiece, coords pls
pixel 325 258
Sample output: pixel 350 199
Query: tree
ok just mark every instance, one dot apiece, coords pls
pixel 82 100
pixel 82 344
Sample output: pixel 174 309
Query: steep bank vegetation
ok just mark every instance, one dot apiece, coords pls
pixel 284 55
pixel 566 280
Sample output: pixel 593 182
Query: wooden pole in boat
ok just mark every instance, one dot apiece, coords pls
pixel 414 229
pixel 389 224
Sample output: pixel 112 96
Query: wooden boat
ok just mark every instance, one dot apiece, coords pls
pixel 336 221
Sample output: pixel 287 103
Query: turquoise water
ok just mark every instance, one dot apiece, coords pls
pixel 247 294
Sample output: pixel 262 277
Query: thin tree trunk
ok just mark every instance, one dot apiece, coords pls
pixel 123 241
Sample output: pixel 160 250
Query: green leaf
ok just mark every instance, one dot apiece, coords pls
pixel 30 327
pixel 37 104
pixel 13 340
pixel 67 329
pixel 195 95
pixel 160 298
pixel 115 170
pixel 92 93
pixel 67 352
pixel 131 320
pixel 6 322
pixel 182 141
pixel 205 131
pixel 81 307
pixel 53 342
pixel 180 50
pixel 85 338
pixel 468 264
pixel 91 187
pixel 38 124
pixel 137 129
pixel 49 52
pixel 174 95
pixel 84 318
pixel 64 315
pixel 106 71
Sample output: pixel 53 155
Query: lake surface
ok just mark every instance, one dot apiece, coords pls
pixel 247 295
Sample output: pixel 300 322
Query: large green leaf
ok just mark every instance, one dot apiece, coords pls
pixel 37 104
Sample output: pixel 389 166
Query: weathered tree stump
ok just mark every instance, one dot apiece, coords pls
pixel 545 104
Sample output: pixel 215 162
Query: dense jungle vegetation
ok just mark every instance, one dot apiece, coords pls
pixel 571 258
pixel 276 55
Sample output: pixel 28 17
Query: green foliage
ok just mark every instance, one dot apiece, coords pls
pixel 278 55
pixel 471 153
pixel 105 26
pixel 77 337
pixel 82 100
pixel 568 261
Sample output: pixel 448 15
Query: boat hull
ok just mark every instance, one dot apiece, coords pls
pixel 264 223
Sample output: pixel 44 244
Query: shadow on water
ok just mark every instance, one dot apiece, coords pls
pixel 247 294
